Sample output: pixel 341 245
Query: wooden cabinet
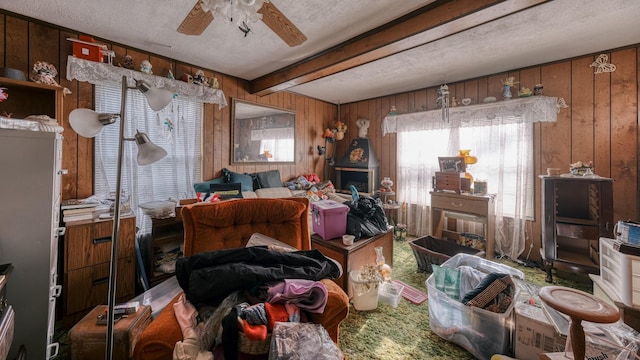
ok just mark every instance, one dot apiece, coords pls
pixel 165 234
pixel 576 212
pixel 476 208
pixel 353 257
pixel 87 259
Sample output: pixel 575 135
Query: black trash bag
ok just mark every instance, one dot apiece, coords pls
pixel 366 217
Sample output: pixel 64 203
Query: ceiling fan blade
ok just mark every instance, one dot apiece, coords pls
pixel 281 25
pixel 196 21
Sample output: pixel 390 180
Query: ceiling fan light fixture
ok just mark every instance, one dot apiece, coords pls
pixel 237 11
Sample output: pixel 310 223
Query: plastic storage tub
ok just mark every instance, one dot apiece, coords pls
pixel 481 332
pixel 429 250
pixel 329 218
pixel 390 293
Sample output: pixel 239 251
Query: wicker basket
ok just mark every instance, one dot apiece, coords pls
pixel 429 250
pixel 253 347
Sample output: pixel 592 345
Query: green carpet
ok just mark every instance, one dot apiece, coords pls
pixel 403 332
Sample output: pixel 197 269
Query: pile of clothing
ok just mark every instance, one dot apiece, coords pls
pixel 250 292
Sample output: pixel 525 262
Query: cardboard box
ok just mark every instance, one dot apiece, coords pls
pixel 329 218
pixel 534 333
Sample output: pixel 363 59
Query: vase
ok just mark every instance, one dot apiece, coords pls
pixel 506 94
pixel 386 183
pixel 339 135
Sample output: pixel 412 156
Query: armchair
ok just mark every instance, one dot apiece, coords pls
pixel 228 224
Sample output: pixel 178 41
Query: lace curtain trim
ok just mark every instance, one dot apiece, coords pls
pixel 530 109
pixel 101 73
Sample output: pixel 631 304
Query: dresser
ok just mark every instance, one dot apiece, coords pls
pixel 87 259
pixel 477 208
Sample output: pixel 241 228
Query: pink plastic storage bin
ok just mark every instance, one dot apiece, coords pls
pixel 329 218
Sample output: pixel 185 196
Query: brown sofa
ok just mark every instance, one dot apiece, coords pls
pixel 228 224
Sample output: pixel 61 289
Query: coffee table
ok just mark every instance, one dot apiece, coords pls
pixel 355 256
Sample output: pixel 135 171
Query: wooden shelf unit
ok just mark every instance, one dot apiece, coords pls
pixel 163 232
pixel 576 212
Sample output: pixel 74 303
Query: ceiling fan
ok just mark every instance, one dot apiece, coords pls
pixel 241 12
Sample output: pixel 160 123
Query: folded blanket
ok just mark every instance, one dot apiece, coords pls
pixel 306 294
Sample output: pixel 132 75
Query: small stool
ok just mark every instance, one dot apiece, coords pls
pixel 578 305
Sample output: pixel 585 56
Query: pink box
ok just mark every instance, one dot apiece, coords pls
pixel 329 218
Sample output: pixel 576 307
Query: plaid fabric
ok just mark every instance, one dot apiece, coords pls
pixel 491 292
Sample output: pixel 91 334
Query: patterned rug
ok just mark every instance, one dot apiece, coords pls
pixel 404 332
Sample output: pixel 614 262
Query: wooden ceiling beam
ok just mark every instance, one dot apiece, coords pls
pixel 435 21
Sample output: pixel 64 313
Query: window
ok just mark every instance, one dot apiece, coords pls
pixel 176 128
pixel 500 135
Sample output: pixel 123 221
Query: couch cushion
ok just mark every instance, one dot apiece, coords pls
pixel 203 187
pixel 244 179
pixel 268 179
pixel 274 192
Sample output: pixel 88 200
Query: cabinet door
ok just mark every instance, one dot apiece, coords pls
pixel 548 218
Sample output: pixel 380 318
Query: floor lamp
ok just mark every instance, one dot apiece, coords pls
pixel 89 123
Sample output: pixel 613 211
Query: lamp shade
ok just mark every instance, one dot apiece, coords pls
pixel 148 152
pixel 158 99
pixel 88 123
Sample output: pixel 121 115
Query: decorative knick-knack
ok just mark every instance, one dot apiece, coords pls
pixel 506 94
pixel 383 267
pixel 386 183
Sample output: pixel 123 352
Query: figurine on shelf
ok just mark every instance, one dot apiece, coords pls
pixel 145 67
pixel 200 79
pixel 45 73
pixel 170 75
pixel 127 63
pixel 214 83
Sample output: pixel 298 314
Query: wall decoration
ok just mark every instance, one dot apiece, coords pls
pixel 561 104
pixel 601 64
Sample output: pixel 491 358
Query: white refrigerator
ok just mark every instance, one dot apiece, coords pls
pixel 29 229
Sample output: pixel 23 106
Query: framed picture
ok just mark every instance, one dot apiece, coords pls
pixel 454 164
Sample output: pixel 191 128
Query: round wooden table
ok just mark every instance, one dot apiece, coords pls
pixel 578 305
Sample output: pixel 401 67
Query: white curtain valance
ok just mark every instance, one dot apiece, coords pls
pixel 106 74
pixel 529 109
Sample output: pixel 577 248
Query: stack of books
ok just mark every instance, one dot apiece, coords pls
pixel 76 210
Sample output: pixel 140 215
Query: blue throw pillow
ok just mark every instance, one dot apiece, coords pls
pixel 203 187
pixel 245 180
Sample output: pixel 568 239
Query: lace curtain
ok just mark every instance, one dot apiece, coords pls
pixel 105 74
pixel 499 134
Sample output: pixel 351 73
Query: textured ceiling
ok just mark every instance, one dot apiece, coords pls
pixel 551 31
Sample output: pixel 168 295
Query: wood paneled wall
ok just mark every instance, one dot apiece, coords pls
pixel 600 124
pixel 25 41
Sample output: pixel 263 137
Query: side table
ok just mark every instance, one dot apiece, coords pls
pixel 388 205
pixel 355 256
pixel 478 208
